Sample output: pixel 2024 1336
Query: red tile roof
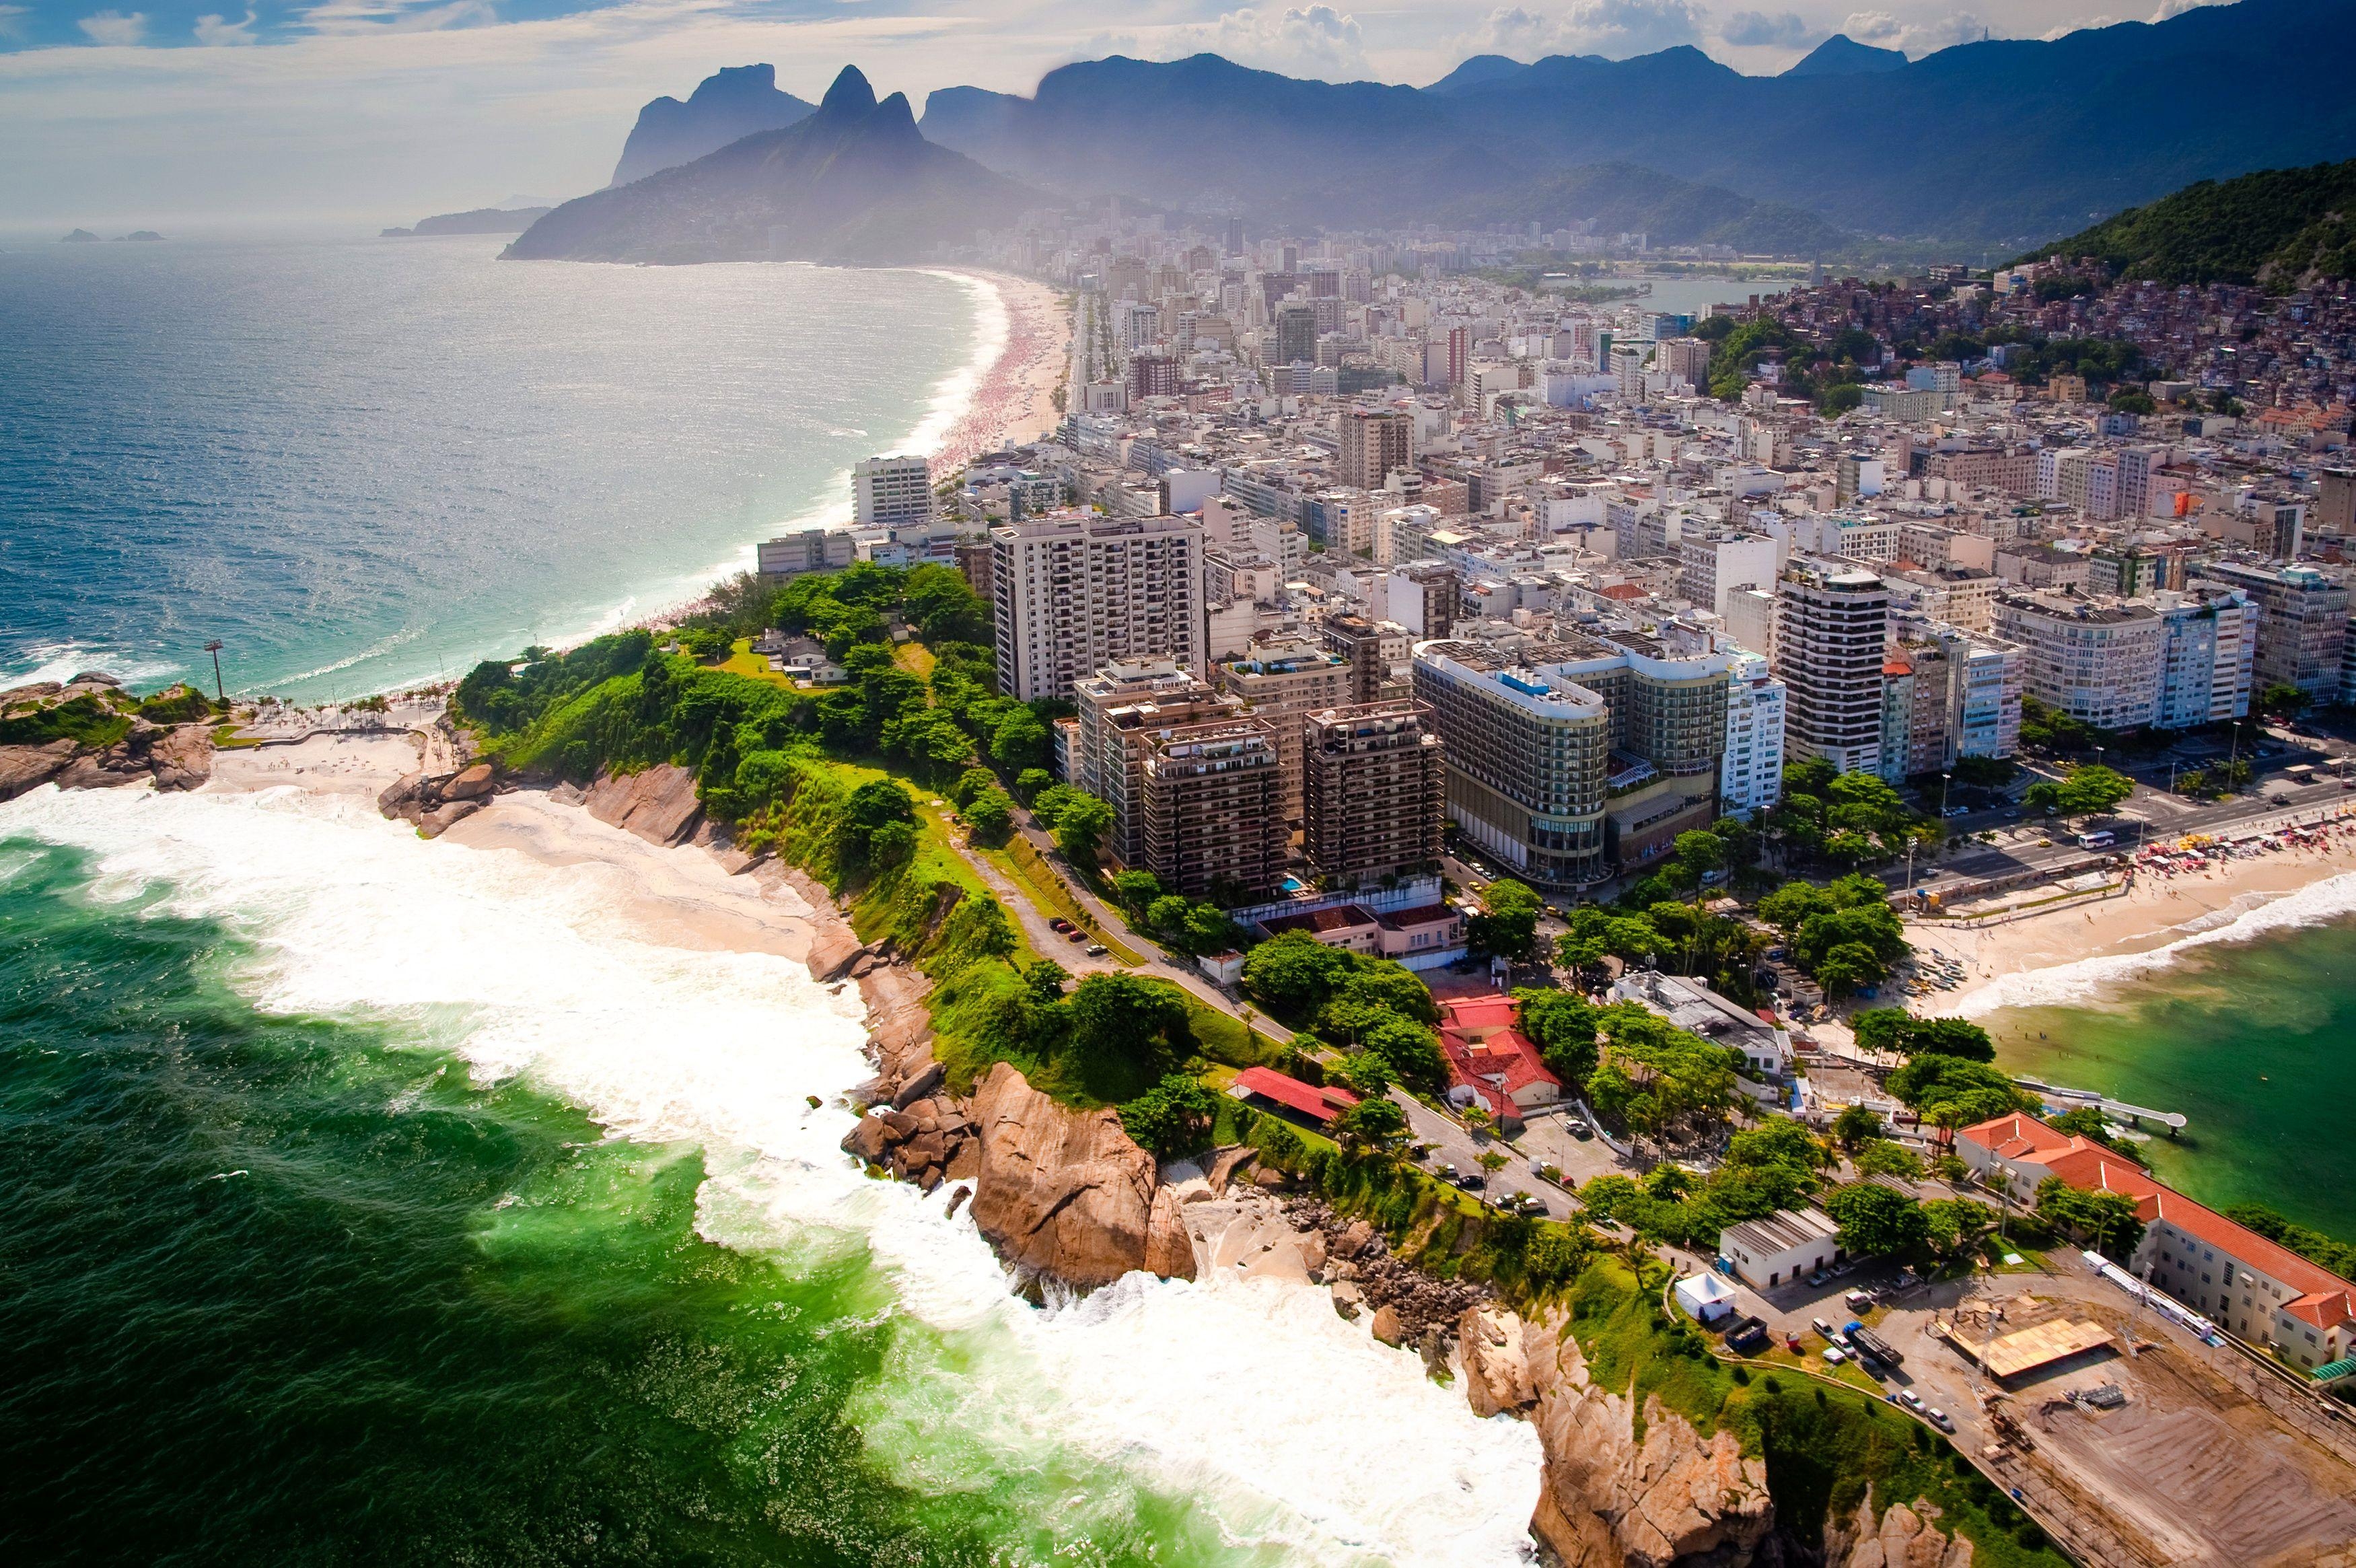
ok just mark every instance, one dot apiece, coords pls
pixel 1488 1053
pixel 1333 918
pixel 1324 1104
pixel 2328 1300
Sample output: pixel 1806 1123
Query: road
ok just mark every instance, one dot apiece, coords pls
pixel 1453 1146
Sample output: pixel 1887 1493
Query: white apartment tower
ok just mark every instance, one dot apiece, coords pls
pixel 2095 660
pixel 1751 775
pixel 1831 620
pixel 1075 591
pixel 892 492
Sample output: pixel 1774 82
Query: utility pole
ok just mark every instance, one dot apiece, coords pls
pixel 214 648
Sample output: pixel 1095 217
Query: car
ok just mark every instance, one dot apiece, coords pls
pixel 2013 815
pixel 1912 1401
pixel 1470 1181
pixel 1957 812
pixel 1821 1327
pixel 1582 1131
pixel 1076 935
pixel 1448 1171
pixel 1060 924
pixel 1834 1355
pixel 1820 1279
pixel 1859 1300
pixel 1940 1419
pixel 1096 950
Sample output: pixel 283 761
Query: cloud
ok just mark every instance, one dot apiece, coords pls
pixel 12 20
pixel 1314 40
pixel 1616 29
pixel 114 28
pixel 1786 30
pixel 218 32
pixel 1917 38
pixel 2066 29
pixel 345 17
pixel 2177 8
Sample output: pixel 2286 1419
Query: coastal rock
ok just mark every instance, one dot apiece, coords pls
pixel 870 1140
pixel 472 784
pixel 1902 1538
pixel 1348 1300
pixel 832 951
pixel 1225 1163
pixel 658 803
pixel 1607 1500
pixel 1386 1326
pixel 445 817
pixel 1353 1239
pixel 24 767
pixel 1496 1366
pixel 1060 1192
pixel 928 1079
pixel 1169 1252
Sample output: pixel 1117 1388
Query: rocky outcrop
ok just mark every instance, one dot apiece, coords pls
pixel 1425 1310
pixel 24 767
pixel 1066 1193
pixel 1903 1536
pixel 1608 1501
pixel 170 756
pixel 438 802
pixel 656 803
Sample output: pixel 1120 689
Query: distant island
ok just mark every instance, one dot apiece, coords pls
pixel 854 182
pixel 80 237
pixel 84 237
pixel 481 221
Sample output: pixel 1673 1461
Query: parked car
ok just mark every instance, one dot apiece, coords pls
pixel 1581 1131
pixel 1820 1279
pixel 1074 934
pixel 1912 1402
pixel 1096 950
pixel 1821 1327
pixel 1860 1300
pixel 1944 1421
pixel 1834 1355
pixel 1060 924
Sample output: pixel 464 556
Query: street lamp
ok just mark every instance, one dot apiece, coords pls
pixel 214 648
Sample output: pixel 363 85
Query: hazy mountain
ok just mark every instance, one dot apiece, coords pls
pixel 481 221
pixel 726 106
pixel 2007 139
pixel 1477 71
pixel 1841 55
pixel 2278 227
pixel 853 182
pixel 1627 199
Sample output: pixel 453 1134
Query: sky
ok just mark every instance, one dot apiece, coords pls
pixel 162 112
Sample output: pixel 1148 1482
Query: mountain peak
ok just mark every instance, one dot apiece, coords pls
pixel 851 94
pixel 732 80
pixel 730 103
pixel 1841 55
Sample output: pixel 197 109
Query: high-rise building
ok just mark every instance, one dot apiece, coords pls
pixel 1375 789
pixel 1718 563
pixel 1296 334
pixel 810 550
pixel 1212 797
pixel 2302 624
pixel 1283 680
pixel 1376 442
pixel 1152 375
pixel 2208 652
pixel 1122 708
pixel 1831 621
pixel 1234 236
pixel 1367 644
pixel 892 492
pixel 1751 775
pixel 2095 660
pixel 1073 592
pixel 1686 358
pixel 2335 500
pixel 1422 597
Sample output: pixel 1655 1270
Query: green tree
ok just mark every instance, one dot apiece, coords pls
pixel 1856 1126
pixel 1954 1227
pixel 1411 1050
pixel 1876 1221
pixel 992 815
pixel 1118 1020
pixel 2083 791
pixel 1368 1072
pixel 973 781
pixel 1882 1157
pixel 1562 1026
pixel 1955 1091
pixel 1375 1122
pixel 2106 1221
pixel 1700 852
pixel 2282 699
pixel 1508 922
pixel 1031 780
pixel 1134 891
pixel 1080 825
pixel 1850 968
pixel 1392 986
pixel 1294 974
pixel 1172 1118
pixel 878 804
pixel 1043 981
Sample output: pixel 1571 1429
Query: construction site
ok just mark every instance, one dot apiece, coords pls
pixel 2137 1444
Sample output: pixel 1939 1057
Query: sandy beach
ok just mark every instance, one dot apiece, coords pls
pixel 1016 402
pixel 670 897
pixel 2058 955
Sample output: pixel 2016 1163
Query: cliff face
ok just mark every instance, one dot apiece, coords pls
pixel 1900 1538
pixel 1607 1499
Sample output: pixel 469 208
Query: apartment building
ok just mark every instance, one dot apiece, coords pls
pixel 811 550
pixel 1962 597
pixel 1750 774
pixel 1374 649
pixel 1715 564
pixel 2095 660
pixel 2208 650
pixel 1284 680
pixel 1375 444
pixel 1212 798
pixel 1831 621
pixel 1123 709
pixel 1749 618
pixel 1421 596
pixel 1526 756
pixel 1073 592
pixel 892 492
pixel 2302 624
pixel 1375 792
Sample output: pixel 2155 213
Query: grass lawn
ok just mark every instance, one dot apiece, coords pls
pixel 914 657
pixel 227 738
pixel 742 660
pixel 1019 861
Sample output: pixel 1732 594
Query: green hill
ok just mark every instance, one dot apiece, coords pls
pixel 2278 227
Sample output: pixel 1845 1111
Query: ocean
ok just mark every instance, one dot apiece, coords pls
pixel 364 1199
pixel 2249 1030
pixel 366 464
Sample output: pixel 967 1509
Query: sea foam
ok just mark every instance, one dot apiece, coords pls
pixel 2243 919
pixel 1296 1433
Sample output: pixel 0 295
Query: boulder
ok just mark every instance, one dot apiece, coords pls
pixel 182 756
pixel 927 1078
pixel 405 791
pixel 1348 1299
pixel 1497 1371
pixel 1061 1193
pixel 1169 1252
pixel 445 817
pixel 1902 1538
pixel 1353 1239
pixel 658 803
pixel 472 784
pixel 870 1140
pixel 831 951
pixel 957 1198
pixel 1386 1326
pixel 1312 1250
pixel 24 767
pixel 1225 1163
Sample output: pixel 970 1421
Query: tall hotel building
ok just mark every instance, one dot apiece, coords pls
pixel 1831 621
pixel 1074 592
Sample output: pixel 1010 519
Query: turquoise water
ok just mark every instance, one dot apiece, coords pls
pixel 2253 1041
pixel 367 1200
pixel 366 464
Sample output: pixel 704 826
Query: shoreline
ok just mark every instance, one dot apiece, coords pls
pixel 2073 954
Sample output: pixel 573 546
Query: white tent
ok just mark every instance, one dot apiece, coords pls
pixel 1704 1297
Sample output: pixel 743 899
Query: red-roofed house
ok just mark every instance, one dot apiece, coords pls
pixel 1491 1062
pixel 2257 1289
pixel 1280 1095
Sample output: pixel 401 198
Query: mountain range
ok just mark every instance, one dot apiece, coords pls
pixel 1998 141
pixel 852 181
pixel 727 106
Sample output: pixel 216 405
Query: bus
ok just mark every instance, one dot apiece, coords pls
pixel 2102 838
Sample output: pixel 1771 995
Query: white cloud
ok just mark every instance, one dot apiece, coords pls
pixel 1762 29
pixel 1617 29
pixel 1314 40
pixel 1917 38
pixel 12 20
pixel 220 32
pixel 2066 29
pixel 114 28
pixel 2177 8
